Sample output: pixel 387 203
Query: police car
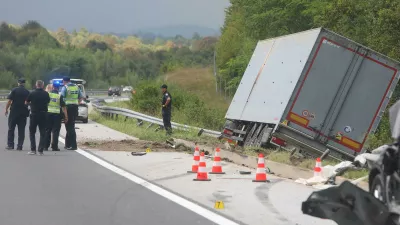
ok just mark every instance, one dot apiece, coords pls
pixel 83 112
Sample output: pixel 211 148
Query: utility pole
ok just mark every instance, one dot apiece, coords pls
pixel 215 72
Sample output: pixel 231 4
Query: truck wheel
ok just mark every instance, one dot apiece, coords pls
pixel 85 120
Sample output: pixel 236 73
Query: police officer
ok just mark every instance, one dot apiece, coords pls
pixel 39 101
pixel 72 95
pixel 19 113
pixel 53 126
pixel 166 109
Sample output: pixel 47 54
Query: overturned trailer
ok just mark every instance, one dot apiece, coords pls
pixel 311 91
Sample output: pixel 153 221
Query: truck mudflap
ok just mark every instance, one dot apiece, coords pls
pixel 338 117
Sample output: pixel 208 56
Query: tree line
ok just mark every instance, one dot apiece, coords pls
pixel 33 52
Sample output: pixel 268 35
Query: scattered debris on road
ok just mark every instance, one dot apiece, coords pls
pixel 138 153
pixel 127 146
pixel 245 172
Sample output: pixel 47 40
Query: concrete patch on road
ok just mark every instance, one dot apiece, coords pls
pixel 92 132
pixel 244 200
pixel 287 196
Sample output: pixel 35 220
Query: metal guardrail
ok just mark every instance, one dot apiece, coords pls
pixel 111 111
pixel 4 94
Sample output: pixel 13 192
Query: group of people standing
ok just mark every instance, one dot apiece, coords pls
pixel 47 110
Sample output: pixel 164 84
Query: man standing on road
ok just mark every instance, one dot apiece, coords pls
pixel 166 109
pixel 19 113
pixel 72 95
pixel 39 101
pixel 54 114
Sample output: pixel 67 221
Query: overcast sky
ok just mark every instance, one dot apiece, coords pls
pixel 114 15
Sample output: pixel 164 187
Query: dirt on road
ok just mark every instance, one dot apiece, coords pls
pixel 127 146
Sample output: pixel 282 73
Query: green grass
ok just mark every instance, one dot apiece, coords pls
pixel 130 127
pixel 200 81
pixel 119 104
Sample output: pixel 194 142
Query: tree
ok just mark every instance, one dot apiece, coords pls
pixel 196 36
pixel 97 45
pixel 7 34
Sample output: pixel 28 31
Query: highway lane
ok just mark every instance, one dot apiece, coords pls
pixel 65 188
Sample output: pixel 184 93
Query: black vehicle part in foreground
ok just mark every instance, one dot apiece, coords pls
pixel 348 204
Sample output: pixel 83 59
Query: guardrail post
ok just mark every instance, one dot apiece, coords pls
pixel 325 154
pixel 200 132
pixel 139 122
pixel 116 116
pixel 150 125
pixel 160 127
pixel 126 118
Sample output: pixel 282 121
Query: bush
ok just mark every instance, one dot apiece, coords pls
pixel 187 108
pixel 147 98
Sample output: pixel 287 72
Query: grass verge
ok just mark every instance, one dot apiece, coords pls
pixel 131 128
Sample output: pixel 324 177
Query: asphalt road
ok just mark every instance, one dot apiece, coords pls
pixel 66 188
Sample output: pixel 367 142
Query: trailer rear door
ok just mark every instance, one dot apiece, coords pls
pixel 341 94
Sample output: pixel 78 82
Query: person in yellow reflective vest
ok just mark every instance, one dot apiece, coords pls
pixel 72 95
pixel 54 116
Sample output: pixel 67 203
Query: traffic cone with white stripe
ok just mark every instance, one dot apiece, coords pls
pixel 196 159
pixel 261 175
pixel 318 168
pixel 217 168
pixel 202 173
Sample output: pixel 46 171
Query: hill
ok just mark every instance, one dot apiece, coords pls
pixel 186 31
pixel 33 52
pixel 199 81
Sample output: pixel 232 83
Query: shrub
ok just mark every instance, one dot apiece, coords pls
pixel 187 108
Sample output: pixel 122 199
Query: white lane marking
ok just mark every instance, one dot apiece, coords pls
pixel 218 219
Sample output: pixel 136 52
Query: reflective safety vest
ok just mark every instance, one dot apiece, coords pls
pixel 72 95
pixel 54 104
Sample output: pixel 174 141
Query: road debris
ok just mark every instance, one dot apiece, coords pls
pixel 245 172
pixel 138 153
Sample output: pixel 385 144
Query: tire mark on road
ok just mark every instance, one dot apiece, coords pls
pixel 261 193
pixel 172 177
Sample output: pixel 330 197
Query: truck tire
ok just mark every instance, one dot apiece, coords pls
pixel 85 120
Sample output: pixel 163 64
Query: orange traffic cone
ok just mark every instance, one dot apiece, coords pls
pixel 196 159
pixel 261 175
pixel 317 168
pixel 217 168
pixel 202 173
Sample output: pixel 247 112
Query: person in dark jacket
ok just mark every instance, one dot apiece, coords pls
pixel 39 100
pixel 18 114
pixel 166 108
